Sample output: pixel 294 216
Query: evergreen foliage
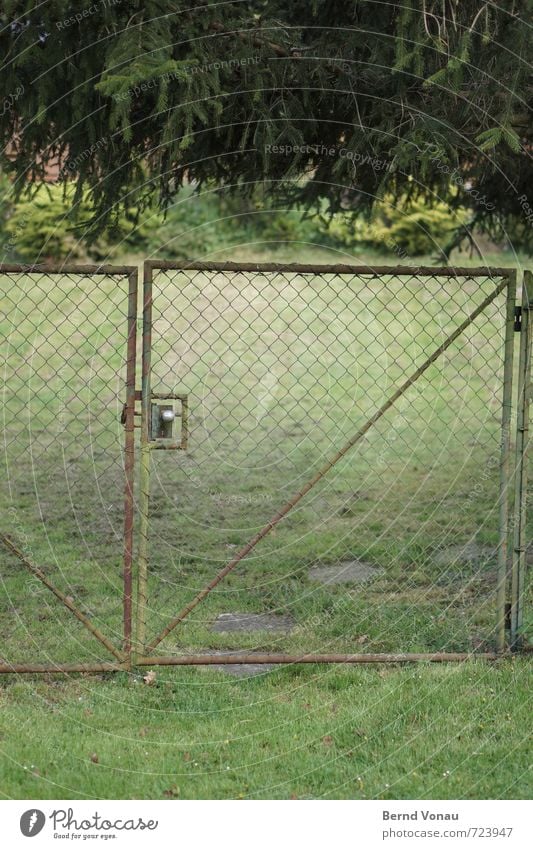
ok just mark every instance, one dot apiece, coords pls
pixel 421 230
pixel 50 227
pixel 136 98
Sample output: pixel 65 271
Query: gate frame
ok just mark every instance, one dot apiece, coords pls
pixel 511 558
pixel 123 655
pixel 520 472
pixel 509 566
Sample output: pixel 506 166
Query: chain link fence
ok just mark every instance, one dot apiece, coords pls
pixel 339 479
pixel 347 463
pixel 63 379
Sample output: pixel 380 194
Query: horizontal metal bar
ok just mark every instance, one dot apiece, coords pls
pixel 109 270
pixel 161 265
pixel 247 659
pixel 371 270
pixel 244 659
pixel 40 668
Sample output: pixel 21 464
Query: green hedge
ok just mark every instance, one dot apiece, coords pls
pixel 408 231
pixel 44 227
pixel 47 226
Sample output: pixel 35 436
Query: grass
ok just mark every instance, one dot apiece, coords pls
pixel 440 732
pixel 278 377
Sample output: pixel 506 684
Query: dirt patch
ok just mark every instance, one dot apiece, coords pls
pixel 346 572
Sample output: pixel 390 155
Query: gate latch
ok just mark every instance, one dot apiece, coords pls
pixel 162 425
pixel 518 319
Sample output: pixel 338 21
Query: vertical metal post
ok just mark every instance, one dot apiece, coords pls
pixel 522 437
pixel 144 482
pixel 505 453
pixel 129 461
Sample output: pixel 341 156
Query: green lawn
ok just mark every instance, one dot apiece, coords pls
pixel 313 732
pixel 279 374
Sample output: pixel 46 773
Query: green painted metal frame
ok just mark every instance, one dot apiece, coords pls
pixel 135 651
pixel 508 285
pixel 519 562
pixel 505 461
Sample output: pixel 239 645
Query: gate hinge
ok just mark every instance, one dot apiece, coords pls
pixel 518 319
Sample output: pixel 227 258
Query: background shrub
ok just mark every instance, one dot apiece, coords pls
pixel 410 231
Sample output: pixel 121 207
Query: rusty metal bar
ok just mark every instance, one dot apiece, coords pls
pixel 247 659
pixel 63 668
pixel 518 568
pixel 359 270
pixel 244 659
pixel 64 599
pixel 144 481
pixel 107 270
pixel 129 460
pixel 505 453
pixel 325 469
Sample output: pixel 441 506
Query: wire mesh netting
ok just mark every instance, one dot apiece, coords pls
pixel 63 355
pixel 395 548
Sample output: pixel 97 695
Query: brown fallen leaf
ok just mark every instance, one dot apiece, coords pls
pixel 186 756
pixel 327 740
pixel 172 792
pixel 150 677
pixel 143 731
pixel 95 759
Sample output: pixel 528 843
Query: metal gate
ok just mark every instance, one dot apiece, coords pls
pixel 302 421
pixel 67 365
pixel 336 454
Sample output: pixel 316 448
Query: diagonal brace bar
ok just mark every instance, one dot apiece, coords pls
pixel 326 468
pixel 64 599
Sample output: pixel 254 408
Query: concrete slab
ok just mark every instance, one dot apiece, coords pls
pixel 346 572
pixel 470 553
pixel 229 622
pixel 239 670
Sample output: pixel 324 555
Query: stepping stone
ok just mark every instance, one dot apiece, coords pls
pixel 238 670
pixel 470 553
pixel 228 622
pixel 347 572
